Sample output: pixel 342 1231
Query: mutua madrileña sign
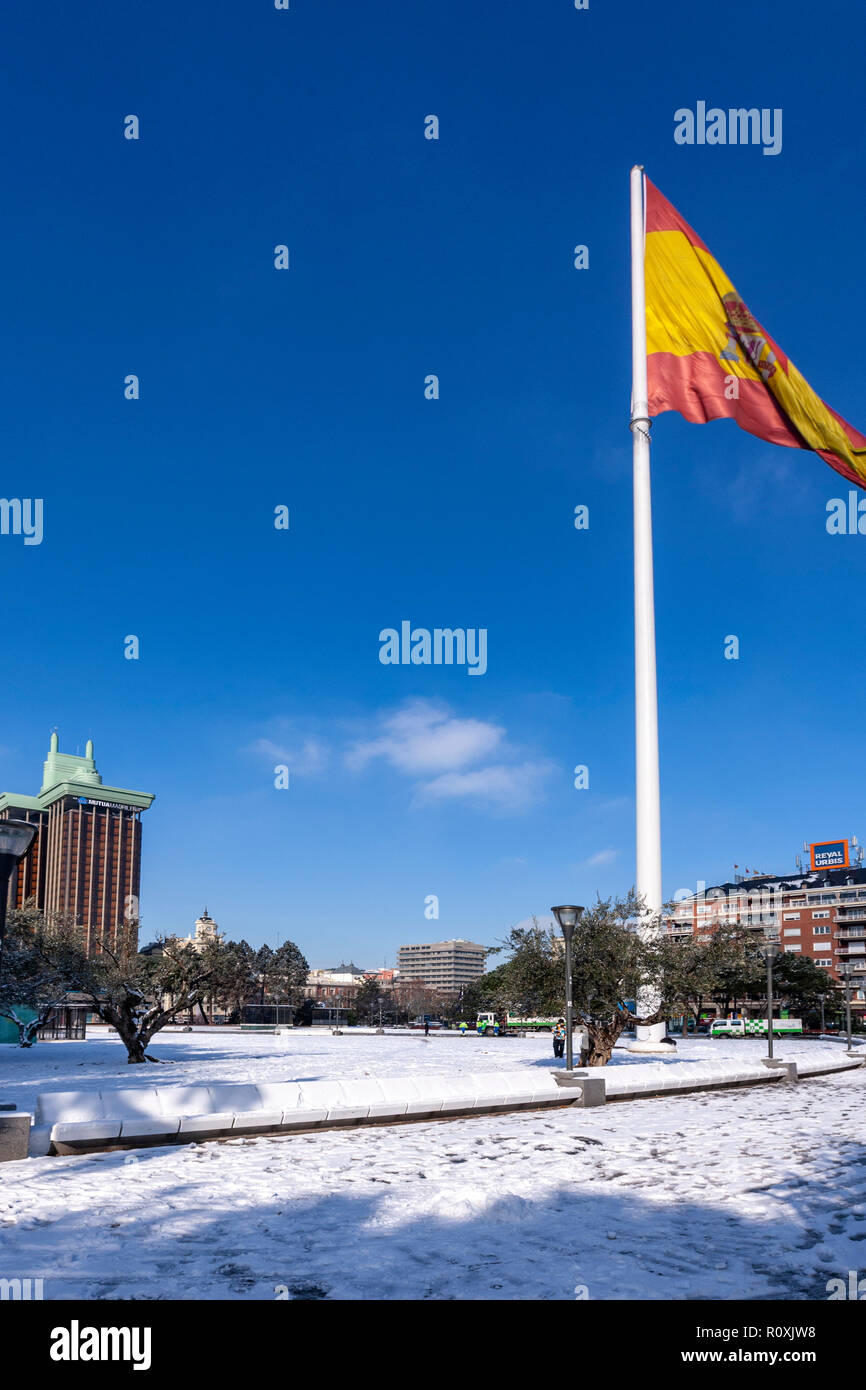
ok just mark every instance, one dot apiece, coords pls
pixel 112 805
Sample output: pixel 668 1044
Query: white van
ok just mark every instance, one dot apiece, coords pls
pixel 754 1027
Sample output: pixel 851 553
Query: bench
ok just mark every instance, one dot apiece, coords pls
pixel 68 1121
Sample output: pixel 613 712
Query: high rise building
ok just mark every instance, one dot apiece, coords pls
pixel 444 965
pixel 817 911
pixel 86 857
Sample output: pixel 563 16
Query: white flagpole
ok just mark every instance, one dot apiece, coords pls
pixel 648 801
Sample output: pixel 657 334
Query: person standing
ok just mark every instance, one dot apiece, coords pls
pixel 559 1038
pixel 426 1028
pixel 463 1029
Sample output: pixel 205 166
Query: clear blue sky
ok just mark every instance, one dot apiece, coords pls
pixel 306 388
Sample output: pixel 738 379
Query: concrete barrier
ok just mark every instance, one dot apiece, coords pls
pixel 75 1121
pixel 14 1135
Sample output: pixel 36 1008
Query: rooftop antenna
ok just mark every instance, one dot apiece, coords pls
pixel 799 862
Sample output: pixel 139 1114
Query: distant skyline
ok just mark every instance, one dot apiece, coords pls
pixel 259 648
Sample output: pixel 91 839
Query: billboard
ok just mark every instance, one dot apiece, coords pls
pixel 830 854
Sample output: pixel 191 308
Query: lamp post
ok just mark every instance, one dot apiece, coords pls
pixel 770 952
pixel 846 976
pixel 16 837
pixel 568 917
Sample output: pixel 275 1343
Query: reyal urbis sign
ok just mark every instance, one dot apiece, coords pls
pixel 830 854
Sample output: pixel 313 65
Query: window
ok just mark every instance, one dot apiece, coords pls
pixel 826 963
pixel 820 931
pixel 790 931
pixel 816 915
pixel 790 916
pixel 819 946
pixel 793 947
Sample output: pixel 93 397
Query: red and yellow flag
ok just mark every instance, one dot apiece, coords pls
pixel 708 358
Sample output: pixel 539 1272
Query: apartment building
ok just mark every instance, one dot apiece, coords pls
pixel 447 966
pixel 819 911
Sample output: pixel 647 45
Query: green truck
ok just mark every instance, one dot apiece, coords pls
pixel 513 1023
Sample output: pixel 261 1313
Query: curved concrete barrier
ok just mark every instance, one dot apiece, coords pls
pixel 75 1121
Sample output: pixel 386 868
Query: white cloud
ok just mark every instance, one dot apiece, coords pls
pixel 603 856
pixel 508 787
pixel 424 737
pixel 538 919
pixel 304 758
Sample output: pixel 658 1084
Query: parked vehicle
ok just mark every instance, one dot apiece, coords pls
pixel 755 1027
pixel 426 1020
pixel 515 1023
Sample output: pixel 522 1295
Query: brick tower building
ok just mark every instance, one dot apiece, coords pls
pixel 86 857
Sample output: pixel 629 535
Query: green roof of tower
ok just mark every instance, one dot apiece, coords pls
pixel 67 774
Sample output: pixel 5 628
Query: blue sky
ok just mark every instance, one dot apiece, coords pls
pixel 306 388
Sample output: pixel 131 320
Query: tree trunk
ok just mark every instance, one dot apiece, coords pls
pixel 133 1039
pixel 601 1039
pixel 599 1053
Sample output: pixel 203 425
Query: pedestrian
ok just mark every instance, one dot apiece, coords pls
pixel 496 1030
pixel 426 1028
pixel 463 1029
pixel 559 1038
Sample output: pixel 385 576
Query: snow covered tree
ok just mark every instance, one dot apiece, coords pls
pixel 29 983
pixel 136 994
pixel 609 962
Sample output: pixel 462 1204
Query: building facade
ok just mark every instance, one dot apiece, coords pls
pixel 446 966
pixel 86 857
pixel 206 933
pixel 335 986
pixel 819 912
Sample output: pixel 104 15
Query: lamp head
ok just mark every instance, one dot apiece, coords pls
pixel 16 837
pixel 568 917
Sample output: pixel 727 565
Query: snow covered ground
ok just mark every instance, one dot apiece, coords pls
pixel 759 1193
pixel 316 1055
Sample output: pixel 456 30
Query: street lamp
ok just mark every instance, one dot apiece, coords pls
pixel 568 918
pixel 846 976
pixel 770 951
pixel 16 837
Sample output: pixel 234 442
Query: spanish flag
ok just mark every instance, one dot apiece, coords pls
pixel 708 358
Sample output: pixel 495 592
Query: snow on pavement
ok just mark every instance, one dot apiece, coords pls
pixel 308 1054
pixel 757 1193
